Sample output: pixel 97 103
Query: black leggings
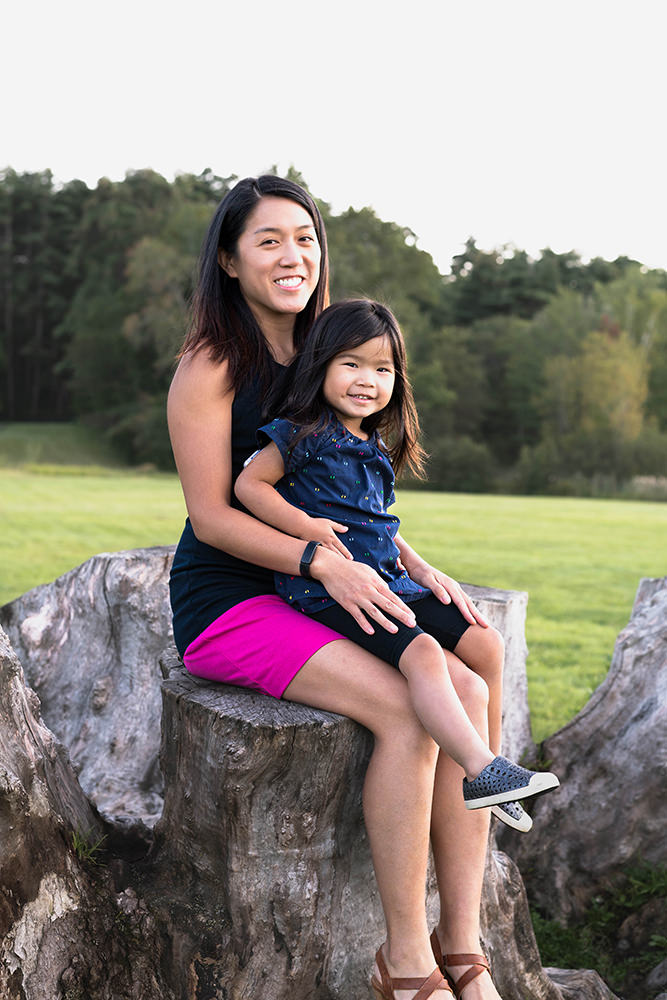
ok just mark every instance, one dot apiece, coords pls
pixel 443 621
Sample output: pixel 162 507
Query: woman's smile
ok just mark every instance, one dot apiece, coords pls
pixel 276 260
pixel 295 281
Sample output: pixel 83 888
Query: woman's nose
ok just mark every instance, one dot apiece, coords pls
pixel 291 254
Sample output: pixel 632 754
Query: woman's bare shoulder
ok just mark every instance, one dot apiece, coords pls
pixel 200 379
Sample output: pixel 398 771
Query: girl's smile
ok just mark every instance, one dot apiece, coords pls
pixel 360 381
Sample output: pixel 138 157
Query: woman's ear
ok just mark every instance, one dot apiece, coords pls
pixel 225 262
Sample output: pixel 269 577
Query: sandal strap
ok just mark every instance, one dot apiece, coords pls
pixel 467 959
pixel 479 963
pixel 437 951
pixel 425 987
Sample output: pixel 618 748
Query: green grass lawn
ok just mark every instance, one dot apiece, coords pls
pixel 75 444
pixel 54 520
pixel 579 559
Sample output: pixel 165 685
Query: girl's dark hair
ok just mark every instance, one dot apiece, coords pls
pixel 344 326
pixel 220 318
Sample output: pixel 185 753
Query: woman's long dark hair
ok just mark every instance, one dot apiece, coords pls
pixel 220 318
pixel 342 327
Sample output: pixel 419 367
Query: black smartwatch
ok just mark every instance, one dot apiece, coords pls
pixel 307 558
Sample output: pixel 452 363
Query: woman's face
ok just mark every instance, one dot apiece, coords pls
pixel 277 259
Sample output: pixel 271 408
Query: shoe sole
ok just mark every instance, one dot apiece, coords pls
pixel 540 782
pixel 523 825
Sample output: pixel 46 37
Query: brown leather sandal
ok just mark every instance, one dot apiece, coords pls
pixel 384 990
pixel 479 965
pixel 437 952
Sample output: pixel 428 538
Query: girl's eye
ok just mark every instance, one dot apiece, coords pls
pixel 349 364
pixel 308 239
pixel 386 370
pixel 267 242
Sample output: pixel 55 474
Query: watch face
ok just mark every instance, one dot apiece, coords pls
pixel 307 558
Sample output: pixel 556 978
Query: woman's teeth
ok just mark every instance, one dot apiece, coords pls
pixel 289 282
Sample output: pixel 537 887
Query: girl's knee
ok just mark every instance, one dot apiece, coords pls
pixel 473 692
pixel 483 649
pixel 423 653
pixel 495 650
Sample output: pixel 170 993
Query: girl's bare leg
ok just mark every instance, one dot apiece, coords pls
pixel 459 836
pixel 483 650
pixel 438 706
pixel 398 789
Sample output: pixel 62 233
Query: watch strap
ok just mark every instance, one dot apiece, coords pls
pixel 306 559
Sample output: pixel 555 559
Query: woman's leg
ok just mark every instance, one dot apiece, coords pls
pixel 459 838
pixel 398 789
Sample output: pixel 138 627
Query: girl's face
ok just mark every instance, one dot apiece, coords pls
pixel 277 259
pixel 360 381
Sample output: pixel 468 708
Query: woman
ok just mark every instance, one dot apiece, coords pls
pixel 263 281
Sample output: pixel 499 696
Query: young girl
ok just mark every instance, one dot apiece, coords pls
pixel 327 473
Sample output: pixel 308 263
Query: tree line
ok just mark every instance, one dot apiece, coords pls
pixel 537 375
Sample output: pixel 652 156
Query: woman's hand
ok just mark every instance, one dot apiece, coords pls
pixel 360 591
pixel 446 590
pixel 322 530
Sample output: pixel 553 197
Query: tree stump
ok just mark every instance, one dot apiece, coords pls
pixel 611 810
pixel 260 881
pixel 261 874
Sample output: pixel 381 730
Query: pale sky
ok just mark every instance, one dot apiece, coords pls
pixel 527 122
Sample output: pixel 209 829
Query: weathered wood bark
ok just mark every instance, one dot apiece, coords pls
pixel 60 935
pixel 575 984
pixel 509 942
pixel 259 841
pixel 89 643
pixel 612 761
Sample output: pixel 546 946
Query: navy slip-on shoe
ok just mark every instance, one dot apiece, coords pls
pixel 503 781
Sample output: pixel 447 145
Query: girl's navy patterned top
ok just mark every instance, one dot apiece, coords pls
pixel 334 474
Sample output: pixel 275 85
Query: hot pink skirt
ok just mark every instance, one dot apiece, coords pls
pixel 261 643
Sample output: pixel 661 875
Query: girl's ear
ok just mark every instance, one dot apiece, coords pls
pixel 225 261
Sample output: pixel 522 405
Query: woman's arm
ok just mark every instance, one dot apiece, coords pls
pixel 444 587
pixel 199 413
pixel 255 488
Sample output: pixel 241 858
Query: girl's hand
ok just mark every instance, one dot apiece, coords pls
pixel 359 589
pixel 446 590
pixel 321 529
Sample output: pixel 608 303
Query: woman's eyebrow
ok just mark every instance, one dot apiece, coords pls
pixel 277 229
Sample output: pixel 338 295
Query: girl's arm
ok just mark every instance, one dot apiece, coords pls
pixel 255 488
pixel 199 412
pixel 444 588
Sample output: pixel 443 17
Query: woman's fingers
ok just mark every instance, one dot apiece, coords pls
pixel 361 592
pixel 378 605
pixel 440 591
pixel 450 591
pixel 361 614
pixel 476 613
